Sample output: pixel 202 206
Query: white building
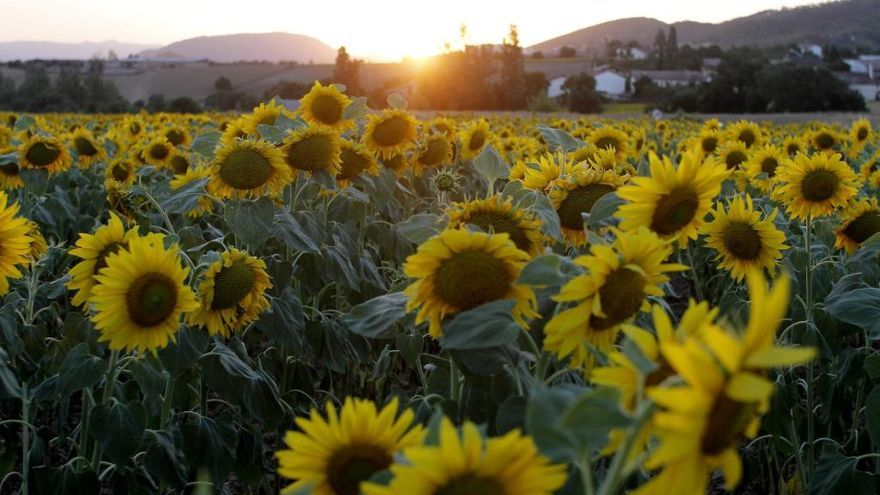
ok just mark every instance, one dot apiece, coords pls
pixel 672 78
pixel 555 87
pixel 610 81
pixel 813 48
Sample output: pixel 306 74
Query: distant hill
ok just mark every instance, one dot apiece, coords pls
pixel 27 50
pixel 272 47
pixel 845 23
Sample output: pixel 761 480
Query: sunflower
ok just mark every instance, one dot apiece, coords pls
pixel 356 159
pixel 38 246
pixel 397 163
pixel 793 145
pixel 498 215
pixel 467 464
pixel 312 149
pixel 10 175
pixel 88 150
pixel 132 127
pixel 436 151
pixel 248 168
pixel 764 160
pixel 205 204
pixel 232 293
pixel 619 279
pixel 93 250
pixel 233 130
pixel 743 239
pixel 6 136
pixel 157 152
pixel 334 456
pixel 733 154
pixel 177 136
pixel 121 170
pixel 576 194
pixel 325 105
pixel 816 185
pixel 702 423
pixel 672 202
pixel 44 153
pixel 609 137
pixel 745 132
pixel 457 270
pixel 708 141
pixel 15 243
pixel 140 295
pixel 539 176
pixel 474 139
pixel 870 170
pixel 443 125
pixel 859 222
pixel 390 133
pixel 825 139
pixel 180 162
pixel 265 113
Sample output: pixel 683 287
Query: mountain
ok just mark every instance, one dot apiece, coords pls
pixel 272 47
pixel 844 22
pixel 27 50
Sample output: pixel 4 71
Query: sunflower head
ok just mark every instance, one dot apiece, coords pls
pixel 121 170
pixel 355 160
pixel 312 149
pixel 390 133
pixel 44 153
pixel 204 205
pixel 816 185
pixel 248 168
pixel 498 215
pixel 762 165
pixel 157 152
pixel 325 106
pixel 860 132
pixel 15 243
pixel 265 114
pixel 859 222
pixel 177 136
pixel 576 194
pixel 436 151
pixel 87 148
pixel 734 154
pixel 474 139
pixel 607 137
pixel 458 270
pixel 10 174
pixel 748 133
pixel 825 139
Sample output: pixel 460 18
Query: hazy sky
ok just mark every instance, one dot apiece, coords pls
pixel 386 29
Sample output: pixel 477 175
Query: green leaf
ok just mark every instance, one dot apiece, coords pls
pixel 179 357
pixel 285 123
pixel 284 323
pixel 419 228
pixel 79 370
pixel 186 198
pixel 162 459
pixel 250 221
pixel 271 133
pixel 836 473
pixel 605 208
pixel 549 270
pixel 357 109
pixel 872 416
pixel 558 139
pixel 545 407
pixel 7 158
pixel 410 346
pixel 23 123
pixel 65 480
pixel 9 386
pixel 489 325
pixel 377 317
pixel 872 366
pixel 397 101
pixel 592 416
pixel 490 165
pixel 292 232
pixel 859 307
pixel 118 428
pixel 511 415
pixel 205 144
pixel 211 444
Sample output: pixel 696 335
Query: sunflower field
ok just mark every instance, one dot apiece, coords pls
pixel 335 300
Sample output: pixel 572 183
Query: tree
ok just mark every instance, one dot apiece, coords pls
pixel 538 55
pixel 222 84
pixel 672 47
pixel 155 103
pixel 567 52
pixel 536 84
pixel 347 72
pixel 512 84
pixel 184 104
pixel 580 94
pixel 660 48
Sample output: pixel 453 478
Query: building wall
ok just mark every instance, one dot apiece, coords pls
pixel 610 83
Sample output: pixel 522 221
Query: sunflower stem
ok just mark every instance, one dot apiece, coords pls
pixel 108 393
pixel 25 438
pixel 694 273
pixel 166 401
pixel 454 378
pixel 585 468
pixel 616 475
pixel 808 299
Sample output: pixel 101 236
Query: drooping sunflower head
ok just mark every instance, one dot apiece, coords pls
pixel 859 222
pixel 312 149
pixel 356 159
pixel 265 114
pixel 733 154
pixel 761 166
pixel 474 139
pixel 336 454
pixel 233 293
pixel 748 133
pixel 443 125
pixel 825 139
pixel 458 270
pixel 180 162
pixel 195 173
pixel 466 464
pixel 743 239
pixel 672 202
pixel 10 174
pixel 860 133
pixel 870 170
pixel 397 163
pixel 38 242
pixel 498 215
pixel 157 151
pixel 88 149
pixel 121 170
pixel 436 151
pixel 248 168
pixel 325 105
pixel 611 138
pixel 177 135
pixel 140 295
pixel 93 250
pixel 816 185
pixel 576 194
pixel 44 153
pixel 390 133
pixel 619 279
pixel 15 243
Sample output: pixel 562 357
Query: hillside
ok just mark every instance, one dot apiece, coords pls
pixel 845 22
pixel 26 50
pixel 273 47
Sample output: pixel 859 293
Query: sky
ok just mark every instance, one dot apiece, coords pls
pixel 372 29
